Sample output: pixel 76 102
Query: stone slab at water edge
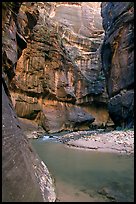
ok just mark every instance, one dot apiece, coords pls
pixel 114 141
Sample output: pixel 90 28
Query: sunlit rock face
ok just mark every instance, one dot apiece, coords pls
pixel 118 60
pixel 61 63
pixel 81 31
pixel 25 178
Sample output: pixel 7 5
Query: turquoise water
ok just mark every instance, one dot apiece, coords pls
pixel 87 176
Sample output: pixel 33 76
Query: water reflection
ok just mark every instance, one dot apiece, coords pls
pixel 86 175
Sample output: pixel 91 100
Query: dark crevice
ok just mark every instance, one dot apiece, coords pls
pixel 32 20
pixel 5 88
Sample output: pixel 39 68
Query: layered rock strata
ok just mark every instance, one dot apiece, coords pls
pixel 25 178
pixel 58 76
pixel 118 60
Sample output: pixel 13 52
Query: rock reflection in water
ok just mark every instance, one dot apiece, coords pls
pixel 88 176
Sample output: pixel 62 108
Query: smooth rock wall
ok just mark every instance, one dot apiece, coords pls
pixel 25 178
pixel 118 60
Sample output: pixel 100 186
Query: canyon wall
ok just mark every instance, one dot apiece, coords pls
pixel 59 82
pixel 53 74
pixel 25 178
pixel 118 60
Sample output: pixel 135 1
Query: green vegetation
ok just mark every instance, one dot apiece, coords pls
pixel 7 6
pixel 12 6
pixel 101 77
pixel 119 128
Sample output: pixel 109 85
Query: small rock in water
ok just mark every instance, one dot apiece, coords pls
pixel 107 192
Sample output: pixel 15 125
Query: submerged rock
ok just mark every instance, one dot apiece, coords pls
pixel 108 193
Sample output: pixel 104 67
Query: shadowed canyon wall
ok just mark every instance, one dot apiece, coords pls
pixel 25 178
pixel 118 60
pixel 53 59
pixel 59 82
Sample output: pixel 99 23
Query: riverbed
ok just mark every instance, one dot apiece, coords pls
pixel 87 176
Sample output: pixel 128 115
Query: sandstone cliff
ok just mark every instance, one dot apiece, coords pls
pixel 118 60
pixel 59 82
pixel 25 178
pixel 52 74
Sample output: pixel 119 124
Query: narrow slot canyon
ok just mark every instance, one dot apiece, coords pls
pixel 67 83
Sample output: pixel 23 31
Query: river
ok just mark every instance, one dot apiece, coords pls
pixel 87 176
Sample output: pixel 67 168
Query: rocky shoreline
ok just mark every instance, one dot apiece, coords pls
pixel 118 141
pixel 31 129
pixel 99 140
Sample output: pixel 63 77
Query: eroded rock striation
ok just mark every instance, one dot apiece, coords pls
pixel 52 75
pixel 25 178
pixel 118 60
pixel 59 82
